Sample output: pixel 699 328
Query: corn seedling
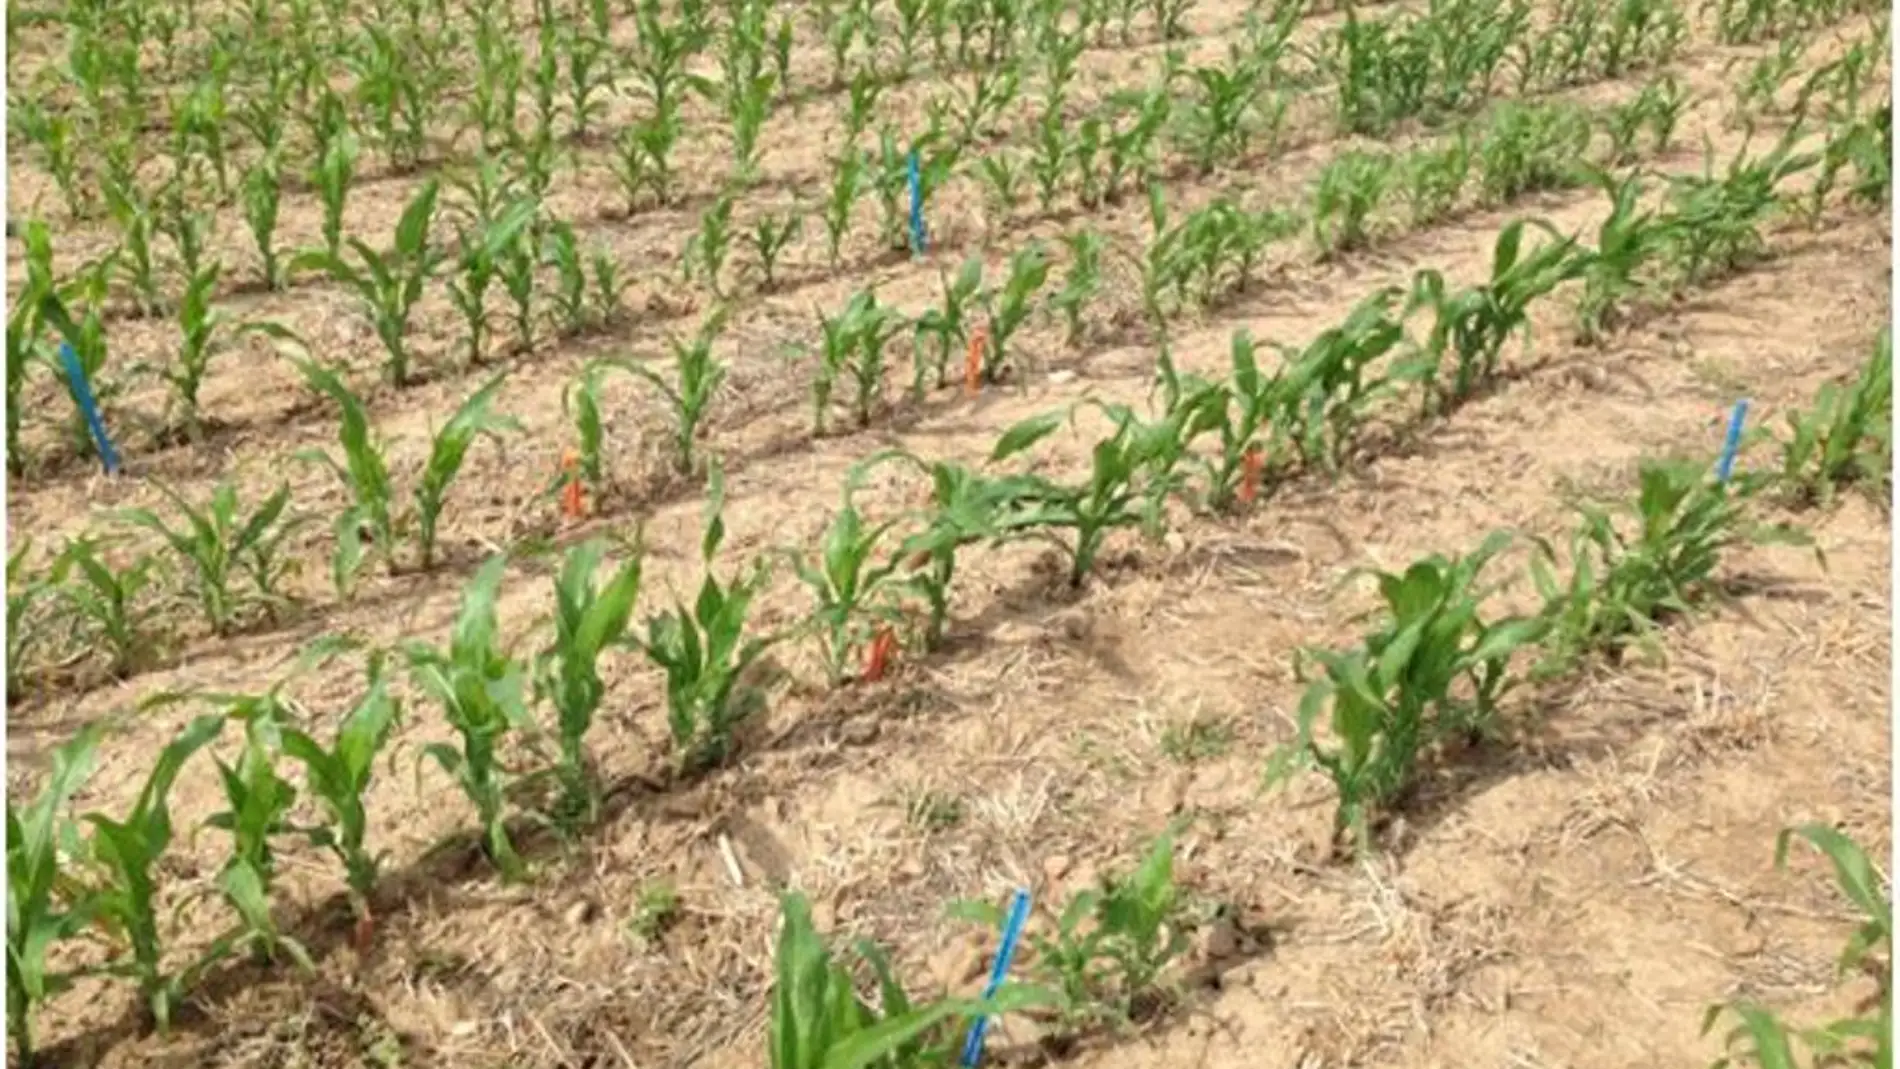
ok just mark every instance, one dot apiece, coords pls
pixel 123 855
pixel 1531 148
pixel 482 690
pixel 518 268
pixel 1112 943
pixel 218 543
pixel 493 228
pixel 1008 310
pixel 1113 496
pixel 706 653
pixel 475 418
pixel 1219 119
pixel 847 182
pixel 387 286
pixel 707 250
pixel 1866 1038
pixel 262 189
pixel 369 520
pixel 334 173
pixel 1474 324
pixel 643 158
pixel 1433 670
pixel 1082 283
pixel 1625 578
pixel 819 1021
pixel 587 621
pixel 1002 185
pixel 1628 240
pixel 698 374
pixel 947 325
pixel 42 907
pixel 1433 179
pixel 1239 412
pixel 1322 393
pixel 1846 437
pixel 108 603
pixel 259 803
pixel 29 593
pixel 337 779
pixel 1350 189
pixel 964 507
pixel 847 587
pixel 770 236
pixel 1718 220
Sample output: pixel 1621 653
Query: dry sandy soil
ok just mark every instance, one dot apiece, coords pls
pixel 1574 900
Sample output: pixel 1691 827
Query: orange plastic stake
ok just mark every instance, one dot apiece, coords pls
pixel 1252 462
pixel 973 360
pixel 364 934
pixel 573 503
pixel 878 659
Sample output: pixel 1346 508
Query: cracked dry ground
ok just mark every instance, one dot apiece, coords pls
pixel 1574 901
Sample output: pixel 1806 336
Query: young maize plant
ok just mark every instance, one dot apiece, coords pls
pixel 260 803
pixel 1866 1038
pixel 707 250
pixel 770 236
pixel 1106 960
pixel 1349 192
pixel 1082 283
pixel 1008 311
pixel 706 653
pixel 121 889
pixel 643 155
pixel 218 543
pixel 87 338
pixel 1718 220
pixel 496 220
pixel 1238 409
pixel 1528 148
pixel 1658 109
pixel 387 286
pixel 964 507
pixel 948 325
pixel 1434 670
pixel 332 177
pixel 587 621
pixel 561 250
pixel 850 590
pixel 262 189
pixel 819 1021
pixel 482 689
pixel 518 268
pixel 1116 495
pixel 109 606
pixel 45 905
pixel 1319 398
pixel 698 376
pixel 136 258
pixel 337 778
pixel 847 183
pixel 371 526
pixel 1628 241
pixel 1623 584
pixel 203 336
pixel 1474 324
pixel 1847 437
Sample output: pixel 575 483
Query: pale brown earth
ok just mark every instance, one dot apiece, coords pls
pixel 1575 900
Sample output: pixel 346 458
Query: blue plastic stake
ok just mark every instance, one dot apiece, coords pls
pixel 82 395
pixel 1733 442
pixel 1012 934
pixel 917 240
